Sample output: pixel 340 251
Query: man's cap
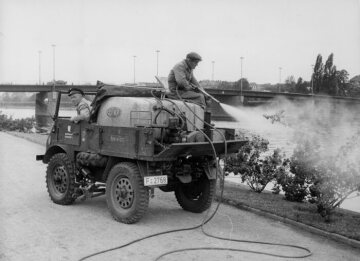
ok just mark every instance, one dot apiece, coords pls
pixel 75 90
pixel 193 56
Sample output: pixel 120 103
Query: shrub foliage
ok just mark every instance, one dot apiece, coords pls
pixel 10 124
pixel 254 168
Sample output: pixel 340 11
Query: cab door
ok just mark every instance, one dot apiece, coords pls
pixel 68 132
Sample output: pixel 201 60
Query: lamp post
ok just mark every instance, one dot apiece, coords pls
pixel 134 67
pixel 312 79
pixel 241 75
pixel 53 46
pixel 212 74
pixel 53 89
pixel 279 78
pixel 157 62
pixel 39 67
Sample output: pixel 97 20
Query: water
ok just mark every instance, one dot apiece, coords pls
pixel 250 120
pixel 287 122
pixel 18 113
pixel 28 112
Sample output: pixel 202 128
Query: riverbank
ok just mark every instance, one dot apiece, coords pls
pixel 344 226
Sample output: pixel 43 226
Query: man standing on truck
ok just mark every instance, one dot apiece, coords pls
pixel 82 105
pixel 181 78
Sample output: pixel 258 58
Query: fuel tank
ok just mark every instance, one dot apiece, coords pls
pixel 147 112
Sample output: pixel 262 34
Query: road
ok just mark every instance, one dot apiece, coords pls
pixel 34 228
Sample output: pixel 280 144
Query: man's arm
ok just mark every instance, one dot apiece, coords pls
pixel 84 110
pixel 195 83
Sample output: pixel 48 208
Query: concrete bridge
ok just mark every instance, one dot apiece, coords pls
pixel 46 96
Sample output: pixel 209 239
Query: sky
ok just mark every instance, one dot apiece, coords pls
pixel 97 40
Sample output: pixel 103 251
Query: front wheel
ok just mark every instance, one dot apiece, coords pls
pixel 196 196
pixel 126 196
pixel 60 179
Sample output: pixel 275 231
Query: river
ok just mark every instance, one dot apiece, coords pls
pixel 285 122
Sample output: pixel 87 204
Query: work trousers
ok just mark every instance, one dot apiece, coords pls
pixel 192 96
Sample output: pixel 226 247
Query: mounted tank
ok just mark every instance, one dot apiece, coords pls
pixel 148 112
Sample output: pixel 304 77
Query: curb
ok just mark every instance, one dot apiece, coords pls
pixel 26 137
pixel 336 237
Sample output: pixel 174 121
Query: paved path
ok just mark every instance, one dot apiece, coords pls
pixel 33 228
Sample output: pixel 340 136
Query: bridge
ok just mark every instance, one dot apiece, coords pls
pixel 231 97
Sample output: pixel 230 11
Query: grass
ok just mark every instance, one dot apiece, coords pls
pixel 343 222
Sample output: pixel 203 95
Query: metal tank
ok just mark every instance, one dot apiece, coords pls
pixel 147 112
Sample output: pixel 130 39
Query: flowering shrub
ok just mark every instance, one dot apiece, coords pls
pixel 324 181
pixel 255 170
pixel 336 178
pixel 297 174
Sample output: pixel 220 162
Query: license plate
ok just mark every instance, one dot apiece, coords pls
pixel 155 180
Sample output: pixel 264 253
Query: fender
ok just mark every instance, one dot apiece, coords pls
pixel 60 148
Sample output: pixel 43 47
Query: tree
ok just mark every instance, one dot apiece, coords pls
pixel 342 82
pixel 328 80
pixel 289 84
pixel 302 86
pixel 330 85
pixel 317 77
pixel 245 84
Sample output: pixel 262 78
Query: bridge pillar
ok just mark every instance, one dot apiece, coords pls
pixel 44 109
pixel 242 98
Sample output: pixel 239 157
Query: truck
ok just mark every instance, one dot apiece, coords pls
pixel 137 140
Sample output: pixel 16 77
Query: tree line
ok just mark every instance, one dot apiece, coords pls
pixel 326 79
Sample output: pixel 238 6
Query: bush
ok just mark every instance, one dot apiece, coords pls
pixel 324 181
pixel 336 178
pixel 255 170
pixel 296 175
pixel 10 124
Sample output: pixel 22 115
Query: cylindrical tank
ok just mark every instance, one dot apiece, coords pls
pixel 141 111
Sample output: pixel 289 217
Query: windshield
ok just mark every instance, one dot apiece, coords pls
pixel 66 108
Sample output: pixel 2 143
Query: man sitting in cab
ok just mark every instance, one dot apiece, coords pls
pixel 82 105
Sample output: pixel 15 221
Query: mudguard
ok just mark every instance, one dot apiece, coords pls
pixel 59 148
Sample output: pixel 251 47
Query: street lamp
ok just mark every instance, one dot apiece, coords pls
pixel 279 78
pixel 212 74
pixel 39 67
pixel 312 79
pixel 53 89
pixel 134 67
pixel 241 75
pixel 157 62
pixel 280 74
pixel 53 45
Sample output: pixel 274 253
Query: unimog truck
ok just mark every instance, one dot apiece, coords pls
pixel 132 145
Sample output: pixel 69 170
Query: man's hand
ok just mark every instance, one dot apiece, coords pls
pixel 194 87
pixel 75 119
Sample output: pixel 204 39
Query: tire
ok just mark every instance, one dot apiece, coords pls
pixel 126 196
pixel 60 179
pixel 196 196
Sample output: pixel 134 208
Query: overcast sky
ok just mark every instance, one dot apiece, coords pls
pixel 96 40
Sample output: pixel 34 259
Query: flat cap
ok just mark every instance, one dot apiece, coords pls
pixel 193 56
pixel 75 90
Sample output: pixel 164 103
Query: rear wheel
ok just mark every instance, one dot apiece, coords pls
pixel 196 196
pixel 60 179
pixel 126 196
